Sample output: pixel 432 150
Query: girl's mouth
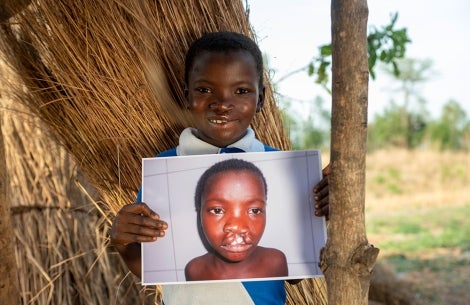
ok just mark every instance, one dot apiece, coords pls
pixel 220 120
pixel 237 248
pixel 236 243
pixel 213 121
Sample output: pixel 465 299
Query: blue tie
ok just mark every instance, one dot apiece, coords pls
pixel 228 150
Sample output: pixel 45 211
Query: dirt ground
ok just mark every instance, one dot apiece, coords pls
pixel 447 286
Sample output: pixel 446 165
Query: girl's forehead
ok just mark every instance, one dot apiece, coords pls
pixel 210 62
pixel 206 57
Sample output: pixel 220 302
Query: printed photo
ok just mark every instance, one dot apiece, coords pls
pixel 233 217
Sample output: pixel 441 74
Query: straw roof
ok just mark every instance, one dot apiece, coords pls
pixel 61 243
pixel 105 78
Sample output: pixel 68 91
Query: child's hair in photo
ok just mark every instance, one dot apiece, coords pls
pixel 225 166
pixel 223 42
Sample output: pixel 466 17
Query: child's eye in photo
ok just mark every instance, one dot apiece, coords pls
pixel 256 211
pixel 216 211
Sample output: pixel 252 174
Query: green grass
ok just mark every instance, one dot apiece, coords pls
pixel 389 180
pixel 414 231
pixel 402 263
pixel 422 238
pixel 450 172
pixel 428 246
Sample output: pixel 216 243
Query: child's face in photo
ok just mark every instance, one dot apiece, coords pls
pixel 223 95
pixel 233 213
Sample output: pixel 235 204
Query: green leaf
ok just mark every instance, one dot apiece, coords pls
pixel 325 50
pixel 385 45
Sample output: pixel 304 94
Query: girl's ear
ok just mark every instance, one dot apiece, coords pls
pixel 260 103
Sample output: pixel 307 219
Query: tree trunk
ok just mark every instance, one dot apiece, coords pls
pixel 347 259
pixel 8 281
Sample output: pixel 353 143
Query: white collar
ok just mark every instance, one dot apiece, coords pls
pixel 189 144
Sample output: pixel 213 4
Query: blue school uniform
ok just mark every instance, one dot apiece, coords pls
pixel 229 293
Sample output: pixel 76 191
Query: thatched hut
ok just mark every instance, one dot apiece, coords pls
pixel 100 83
pixel 60 233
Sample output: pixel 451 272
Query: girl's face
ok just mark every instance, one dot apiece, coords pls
pixel 224 94
pixel 233 213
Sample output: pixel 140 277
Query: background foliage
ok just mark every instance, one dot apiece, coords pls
pixel 404 123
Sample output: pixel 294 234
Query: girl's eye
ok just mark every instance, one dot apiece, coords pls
pixel 241 91
pixel 203 90
pixel 216 211
pixel 255 211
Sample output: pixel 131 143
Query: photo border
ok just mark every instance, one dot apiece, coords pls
pixel 168 186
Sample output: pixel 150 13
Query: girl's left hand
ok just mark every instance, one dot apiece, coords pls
pixel 321 195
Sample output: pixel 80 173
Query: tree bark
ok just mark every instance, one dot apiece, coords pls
pixel 9 293
pixel 347 259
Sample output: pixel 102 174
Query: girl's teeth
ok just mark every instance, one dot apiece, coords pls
pixel 217 121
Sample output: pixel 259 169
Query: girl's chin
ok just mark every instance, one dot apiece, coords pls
pixel 234 259
pixel 220 139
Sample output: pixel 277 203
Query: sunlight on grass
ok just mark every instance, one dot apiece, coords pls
pixel 405 264
pixel 417 210
pixel 433 228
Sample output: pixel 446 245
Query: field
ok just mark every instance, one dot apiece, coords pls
pixel 417 210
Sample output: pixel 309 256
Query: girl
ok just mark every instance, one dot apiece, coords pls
pixel 224 90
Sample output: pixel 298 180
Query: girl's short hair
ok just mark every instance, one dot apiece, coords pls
pixel 223 42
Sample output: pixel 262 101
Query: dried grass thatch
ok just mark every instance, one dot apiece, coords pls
pixel 61 242
pixel 85 65
pixel 307 292
pixel 105 77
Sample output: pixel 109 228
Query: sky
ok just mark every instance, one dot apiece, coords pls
pixel 290 32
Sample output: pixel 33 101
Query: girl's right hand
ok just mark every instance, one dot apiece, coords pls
pixel 136 223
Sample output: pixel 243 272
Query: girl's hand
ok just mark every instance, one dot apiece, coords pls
pixel 136 223
pixel 321 195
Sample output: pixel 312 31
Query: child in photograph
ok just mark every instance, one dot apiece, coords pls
pixel 231 204
pixel 224 90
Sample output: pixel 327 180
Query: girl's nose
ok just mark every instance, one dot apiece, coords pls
pixel 236 226
pixel 221 103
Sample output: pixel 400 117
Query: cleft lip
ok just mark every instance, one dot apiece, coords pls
pixel 234 240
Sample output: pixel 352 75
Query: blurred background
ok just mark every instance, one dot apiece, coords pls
pixel 418 161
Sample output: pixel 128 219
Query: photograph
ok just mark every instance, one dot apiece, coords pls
pixel 233 217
